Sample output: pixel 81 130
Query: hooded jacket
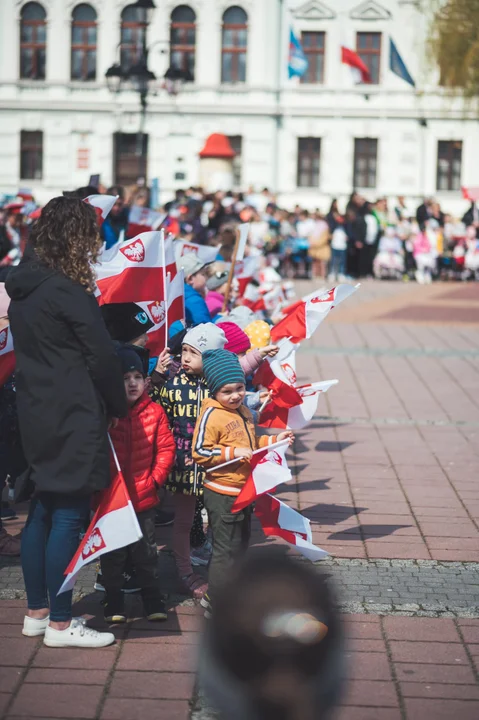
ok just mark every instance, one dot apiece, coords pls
pixel 68 378
pixel 218 432
pixel 196 309
pixel 146 451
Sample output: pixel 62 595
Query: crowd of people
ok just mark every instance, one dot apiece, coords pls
pixel 363 239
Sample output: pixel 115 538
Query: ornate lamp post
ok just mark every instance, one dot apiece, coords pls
pixel 140 77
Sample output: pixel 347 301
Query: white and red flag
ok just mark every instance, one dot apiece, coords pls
pixel 273 376
pixel 7 356
pixel 114 525
pixel 359 69
pixel 136 271
pixel 306 315
pixel 205 253
pixel 143 219
pixel 279 520
pixel 245 270
pixel 102 204
pixel 159 315
pixel 298 416
pixel 268 470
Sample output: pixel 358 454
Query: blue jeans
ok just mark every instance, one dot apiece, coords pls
pixel 338 262
pixel 49 541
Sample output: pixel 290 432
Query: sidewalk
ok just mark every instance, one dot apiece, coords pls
pixel 387 472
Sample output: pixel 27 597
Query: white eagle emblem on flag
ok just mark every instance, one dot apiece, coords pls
pixel 135 251
pixel 94 543
pixel 157 311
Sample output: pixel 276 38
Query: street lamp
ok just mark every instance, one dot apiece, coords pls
pixel 139 75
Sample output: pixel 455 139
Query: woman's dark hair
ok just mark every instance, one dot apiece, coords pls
pixel 66 238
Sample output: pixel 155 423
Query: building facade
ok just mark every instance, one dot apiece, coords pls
pixel 308 139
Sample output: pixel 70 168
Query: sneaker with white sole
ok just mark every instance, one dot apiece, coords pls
pixel 34 627
pixel 77 635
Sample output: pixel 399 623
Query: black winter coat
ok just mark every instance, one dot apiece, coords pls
pixel 68 377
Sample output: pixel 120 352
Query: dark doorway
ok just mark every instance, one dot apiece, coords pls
pixel 129 165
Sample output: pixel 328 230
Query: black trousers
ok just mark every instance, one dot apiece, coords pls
pixel 231 533
pixel 141 556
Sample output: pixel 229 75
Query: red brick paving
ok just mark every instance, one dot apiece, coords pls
pixel 371 489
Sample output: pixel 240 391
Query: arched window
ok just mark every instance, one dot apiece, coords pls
pixel 33 45
pixel 233 45
pixel 133 30
pixel 183 38
pixel 83 65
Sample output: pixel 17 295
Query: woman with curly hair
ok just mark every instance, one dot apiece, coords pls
pixel 69 384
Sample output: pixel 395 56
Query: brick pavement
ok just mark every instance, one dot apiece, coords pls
pixel 387 474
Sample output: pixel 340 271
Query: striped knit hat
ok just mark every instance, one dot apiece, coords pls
pixel 221 367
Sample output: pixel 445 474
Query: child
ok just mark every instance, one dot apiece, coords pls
pixel 181 398
pixel 146 451
pixel 223 432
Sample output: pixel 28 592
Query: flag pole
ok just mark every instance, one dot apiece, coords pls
pixel 278 444
pixel 232 270
pixel 165 282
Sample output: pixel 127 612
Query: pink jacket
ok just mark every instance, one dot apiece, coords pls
pixel 421 244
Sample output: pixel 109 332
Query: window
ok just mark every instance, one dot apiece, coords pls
pixel 183 38
pixel 132 38
pixel 234 41
pixel 365 162
pixel 31 155
pixel 368 46
pixel 33 46
pixel 236 142
pixel 449 163
pixel 313 45
pixel 83 65
pixel 129 164
pixel 308 162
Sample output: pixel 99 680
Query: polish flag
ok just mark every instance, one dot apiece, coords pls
pixel 143 219
pixel 297 417
pixel 470 193
pixel 307 315
pixel 7 356
pixel 137 269
pixel 159 315
pixel 268 470
pixel 245 270
pixel 114 526
pixel 272 376
pixel 102 204
pixel 359 69
pixel 205 253
pixel 279 520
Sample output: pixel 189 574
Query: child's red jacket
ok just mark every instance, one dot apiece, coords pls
pixel 146 451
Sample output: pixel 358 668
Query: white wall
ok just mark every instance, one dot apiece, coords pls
pixel 85 115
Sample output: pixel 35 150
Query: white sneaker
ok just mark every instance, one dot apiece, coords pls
pixel 33 627
pixel 77 635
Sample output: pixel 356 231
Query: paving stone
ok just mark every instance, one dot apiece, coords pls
pixel 428 652
pixel 66 701
pixel 126 709
pixel 418 709
pixel 161 685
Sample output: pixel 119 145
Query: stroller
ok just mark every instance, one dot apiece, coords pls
pixel 389 261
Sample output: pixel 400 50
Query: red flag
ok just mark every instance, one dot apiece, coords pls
pixel 359 70
pixel 301 322
pixel 7 356
pixel 245 270
pixel 135 272
pixel 143 219
pixel 471 193
pixel 157 313
pixel 298 416
pixel 271 375
pixel 114 526
pixel 102 204
pixel 268 470
pixel 279 520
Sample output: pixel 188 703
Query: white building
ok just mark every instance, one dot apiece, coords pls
pixel 308 140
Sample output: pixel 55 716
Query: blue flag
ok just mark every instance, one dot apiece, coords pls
pixel 397 65
pixel 297 61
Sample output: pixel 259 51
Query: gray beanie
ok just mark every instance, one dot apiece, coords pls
pixel 205 336
pixel 240 315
